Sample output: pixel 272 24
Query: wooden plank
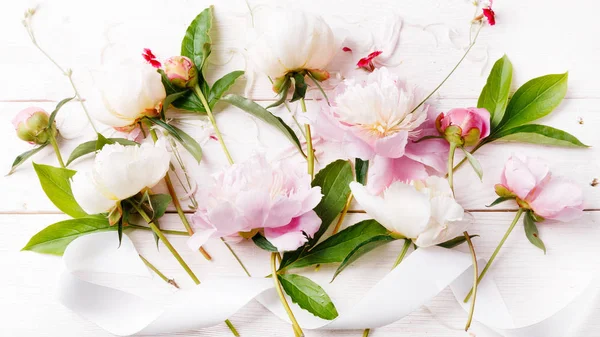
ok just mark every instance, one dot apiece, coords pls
pixel 521 271
pixel 432 41
pixel 245 134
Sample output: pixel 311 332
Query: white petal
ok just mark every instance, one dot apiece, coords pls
pixel 88 196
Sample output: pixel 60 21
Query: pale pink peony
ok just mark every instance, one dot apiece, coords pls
pixel 372 118
pixel 531 182
pixel 472 124
pixel 255 195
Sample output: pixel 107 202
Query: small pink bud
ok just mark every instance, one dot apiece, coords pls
pixel 31 125
pixel 181 71
pixel 464 126
pixel 490 15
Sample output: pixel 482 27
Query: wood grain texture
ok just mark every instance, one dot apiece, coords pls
pixel 539 37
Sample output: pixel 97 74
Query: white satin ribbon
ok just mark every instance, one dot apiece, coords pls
pixel 419 278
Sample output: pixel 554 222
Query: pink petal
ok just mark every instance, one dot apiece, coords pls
pixel 385 171
pixel 431 152
pixel 357 148
pixel 559 199
pixel 293 235
pixel 392 146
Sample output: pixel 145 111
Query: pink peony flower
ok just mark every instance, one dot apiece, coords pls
pixel 181 71
pixel 469 125
pixel 254 196
pixel 372 118
pixel 529 180
pixel 31 125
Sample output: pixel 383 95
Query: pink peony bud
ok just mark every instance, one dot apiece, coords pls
pixel 464 126
pixel 181 71
pixel 530 182
pixel 31 125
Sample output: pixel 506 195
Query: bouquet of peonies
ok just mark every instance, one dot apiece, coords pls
pixel 396 158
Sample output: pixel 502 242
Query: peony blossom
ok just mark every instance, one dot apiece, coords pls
pixel 129 91
pixel 424 211
pixel 466 126
pixel 119 172
pixel 291 41
pixel 181 71
pixel 31 125
pixel 254 195
pixel 530 181
pixel 376 117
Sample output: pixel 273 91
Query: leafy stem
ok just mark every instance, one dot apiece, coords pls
pixel 402 253
pixel 164 239
pixel 451 166
pixel 309 145
pixel 158 272
pixel 211 117
pixel 297 329
pixel 57 150
pixel 493 257
pixel 176 203
pixel 475 281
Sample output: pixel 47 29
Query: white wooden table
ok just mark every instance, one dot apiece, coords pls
pixel 539 37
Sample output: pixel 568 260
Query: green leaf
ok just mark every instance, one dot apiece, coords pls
pixel 363 248
pixel 308 295
pixel 159 204
pixel 189 143
pixel 361 168
pixel 92 146
pixel 474 163
pixel 169 128
pixel 531 231
pixel 169 100
pixel 101 141
pixel 263 243
pixel 221 86
pixel 188 100
pixel 534 100
pixel 58 106
pixel 540 134
pixel 457 241
pixel 494 95
pixel 337 247
pixel 299 87
pixel 197 43
pixel 334 181
pixel 282 95
pixel 265 115
pixel 24 156
pixel 56 183
pixel 499 201
pixel 55 238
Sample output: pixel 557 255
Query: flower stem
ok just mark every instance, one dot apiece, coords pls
pixel 452 71
pixel 342 215
pixel 165 231
pixel 57 150
pixel 164 239
pixel 489 263
pixel 366 333
pixel 471 152
pixel 297 329
pixel 309 145
pixel 402 253
pixel 157 272
pixel 236 257
pixel 475 281
pixel 211 117
pixel 177 205
pixel 451 166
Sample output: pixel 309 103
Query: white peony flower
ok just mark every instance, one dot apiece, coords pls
pixel 424 211
pixel 119 172
pixel 129 91
pixel 289 40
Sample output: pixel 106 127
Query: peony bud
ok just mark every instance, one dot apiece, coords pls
pixel 181 71
pixel 31 125
pixel 464 126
